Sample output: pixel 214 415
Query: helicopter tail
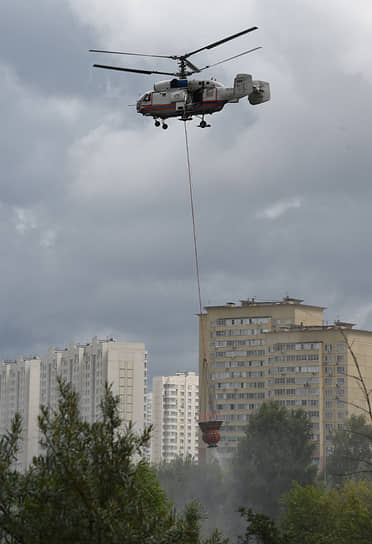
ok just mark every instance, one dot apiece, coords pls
pixel 243 85
pixel 260 92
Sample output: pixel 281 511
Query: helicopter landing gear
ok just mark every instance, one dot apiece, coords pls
pixel 164 126
pixel 157 123
pixel 203 124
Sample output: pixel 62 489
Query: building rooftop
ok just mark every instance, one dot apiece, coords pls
pixel 337 325
pixel 256 302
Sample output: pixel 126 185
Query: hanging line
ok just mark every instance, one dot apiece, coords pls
pixel 195 246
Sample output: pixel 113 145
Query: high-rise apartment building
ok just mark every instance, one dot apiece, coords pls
pixel 282 351
pixel 26 384
pixel 148 422
pixel 19 393
pixel 175 414
pixel 88 367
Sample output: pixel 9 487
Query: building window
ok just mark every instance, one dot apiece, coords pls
pixel 340 347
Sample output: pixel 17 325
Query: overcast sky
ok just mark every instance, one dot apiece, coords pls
pixel 95 224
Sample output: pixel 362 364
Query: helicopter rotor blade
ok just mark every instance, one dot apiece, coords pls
pixel 192 66
pixel 231 58
pixel 132 54
pixel 220 42
pixel 133 70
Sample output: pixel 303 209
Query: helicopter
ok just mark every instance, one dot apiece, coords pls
pixel 183 97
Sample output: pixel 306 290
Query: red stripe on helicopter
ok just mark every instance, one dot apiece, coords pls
pixel 157 107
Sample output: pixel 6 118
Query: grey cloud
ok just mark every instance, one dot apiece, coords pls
pixel 102 240
pixel 47 45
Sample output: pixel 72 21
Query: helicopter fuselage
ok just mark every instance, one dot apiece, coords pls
pixel 184 98
pixel 176 98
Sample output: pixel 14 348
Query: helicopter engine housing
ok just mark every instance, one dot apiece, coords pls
pixel 168 84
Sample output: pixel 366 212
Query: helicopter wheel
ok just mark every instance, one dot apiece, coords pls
pixel 157 123
pixel 203 124
pixel 165 126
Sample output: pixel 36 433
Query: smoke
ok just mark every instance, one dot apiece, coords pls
pixel 277 450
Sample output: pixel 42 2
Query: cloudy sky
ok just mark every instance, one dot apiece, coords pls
pixel 95 225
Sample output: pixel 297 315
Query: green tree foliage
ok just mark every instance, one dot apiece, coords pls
pixel 314 515
pixel 263 528
pixel 275 451
pixel 90 485
pixel 352 454
pixel 216 538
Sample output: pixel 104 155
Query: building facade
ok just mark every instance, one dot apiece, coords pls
pixel 26 384
pixel 282 351
pixel 88 367
pixel 19 393
pixel 148 422
pixel 175 414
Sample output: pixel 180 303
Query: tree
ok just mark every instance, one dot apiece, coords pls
pixel 315 515
pixel 352 453
pixel 263 528
pixel 90 485
pixel 276 450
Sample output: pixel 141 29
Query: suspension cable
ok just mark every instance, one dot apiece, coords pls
pixel 195 247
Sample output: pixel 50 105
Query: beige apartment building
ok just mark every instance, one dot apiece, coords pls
pixel 282 351
pixel 88 367
pixel 25 384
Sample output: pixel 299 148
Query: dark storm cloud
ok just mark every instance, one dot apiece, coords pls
pixel 95 227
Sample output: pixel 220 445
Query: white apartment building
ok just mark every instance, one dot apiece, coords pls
pixel 148 409
pixel 175 414
pixel 148 422
pixel 89 366
pixel 19 393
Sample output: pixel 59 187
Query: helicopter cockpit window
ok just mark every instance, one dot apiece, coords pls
pixel 147 97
